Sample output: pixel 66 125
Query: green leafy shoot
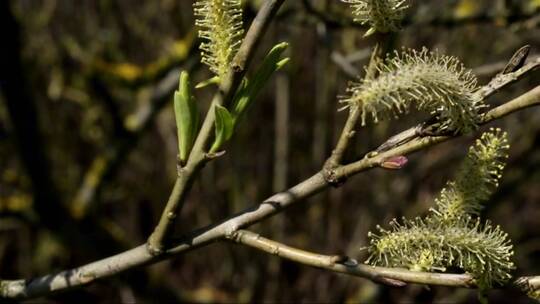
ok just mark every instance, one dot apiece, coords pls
pixel 250 88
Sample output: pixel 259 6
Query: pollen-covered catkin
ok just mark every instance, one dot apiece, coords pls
pixel 453 235
pixel 476 180
pixel 428 81
pixel 220 26
pixel 381 15
pixel 480 249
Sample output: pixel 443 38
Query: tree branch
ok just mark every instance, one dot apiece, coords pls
pixel 502 80
pixel 140 256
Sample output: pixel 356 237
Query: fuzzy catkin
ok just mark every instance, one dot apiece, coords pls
pixel 428 81
pixel 476 180
pixel 381 15
pixel 453 235
pixel 220 26
pixel 482 250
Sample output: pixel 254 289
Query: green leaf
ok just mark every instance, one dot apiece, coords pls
pixel 187 116
pixel 250 88
pixel 224 127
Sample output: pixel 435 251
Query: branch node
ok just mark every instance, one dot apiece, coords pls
pixel 153 250
pixel 332 178
pixel 232 233
pixel 180 166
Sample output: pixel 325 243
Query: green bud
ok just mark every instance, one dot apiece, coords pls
pixel 187 117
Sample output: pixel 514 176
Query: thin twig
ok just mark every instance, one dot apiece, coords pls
pixel 348 131
pixel 502 80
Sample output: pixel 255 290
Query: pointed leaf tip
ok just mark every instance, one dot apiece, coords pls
pixel 224 127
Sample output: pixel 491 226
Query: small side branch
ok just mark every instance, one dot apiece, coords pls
pixel 158 238
pixel 502 80
pixel 348 132
pixel 341 264
pixel 395 277
pixel 529 99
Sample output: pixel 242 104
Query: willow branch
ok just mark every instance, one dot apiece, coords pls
pixel 238 69
pixel 497 83
pixel 526 100
pixel 337 263
pixel 140 256
pixel 199 157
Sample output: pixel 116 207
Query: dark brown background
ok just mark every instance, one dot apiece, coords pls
pixel 74 71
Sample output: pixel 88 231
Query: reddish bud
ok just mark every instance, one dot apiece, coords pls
pixel 395 162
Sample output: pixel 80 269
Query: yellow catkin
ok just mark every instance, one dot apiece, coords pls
pixel 220 27
pixel 381 15
pixel 427 81
pixel 476 180
pixel 453 235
